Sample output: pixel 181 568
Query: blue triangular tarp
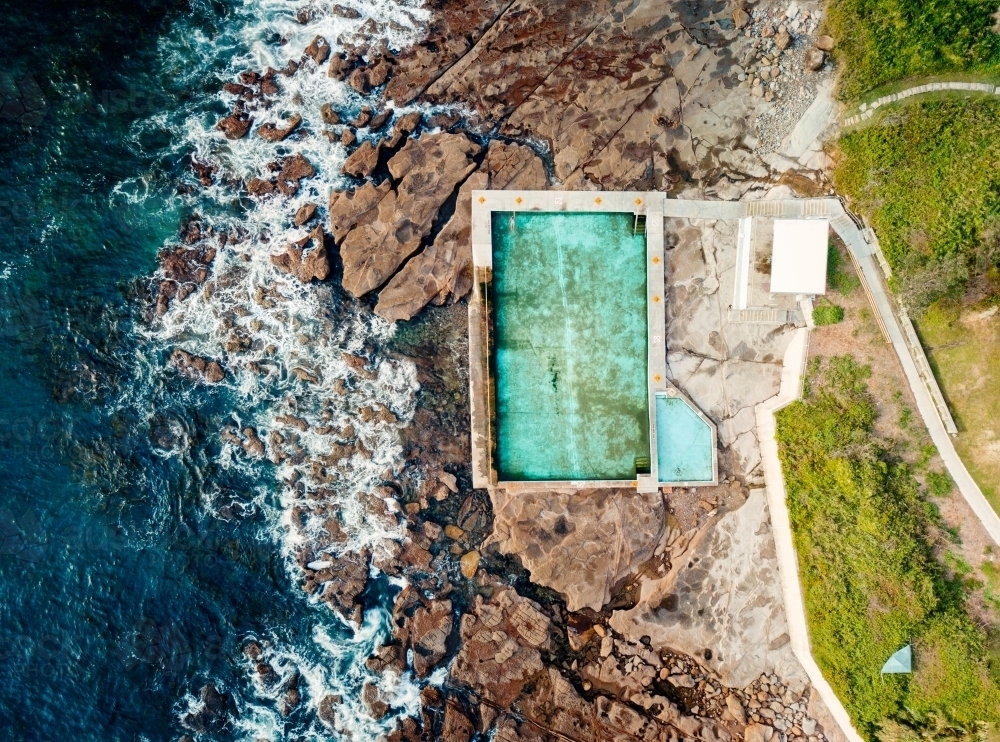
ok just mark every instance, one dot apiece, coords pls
pixel 900 662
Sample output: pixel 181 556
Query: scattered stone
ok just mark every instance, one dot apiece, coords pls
pixel 197 367
pixel 814 59
pixel 782 39
pixel 740 17
pixel 453 532
pixel 469 564
pixel 825 43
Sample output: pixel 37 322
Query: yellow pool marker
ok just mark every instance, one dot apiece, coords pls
pixel 657 378
pixel 597 200
pixel 517 200
pixel 638 202
pixel 482 199
pixel 656 259
pixel 656 300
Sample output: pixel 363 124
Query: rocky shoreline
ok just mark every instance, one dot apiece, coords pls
pixel 616 97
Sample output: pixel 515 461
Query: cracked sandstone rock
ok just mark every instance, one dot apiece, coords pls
pixel 580 543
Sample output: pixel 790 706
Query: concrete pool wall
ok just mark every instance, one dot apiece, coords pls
pixel 649 205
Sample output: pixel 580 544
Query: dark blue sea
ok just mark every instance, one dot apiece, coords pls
pixel 139 552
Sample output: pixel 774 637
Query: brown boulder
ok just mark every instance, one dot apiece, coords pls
pixel 363 160
pixel 428 170
pixel 379 120
pixel 372 699
pixel 457 727
pixel 359 81
pixel 348 137
pixel 740 17
pixel 235 125
pixel 260 187
pixel 272 133
pixel 345 12
pixel 328 115
pixel 318 49
pixel 782 40
pixel 825 43
pixel 294 169
pixel 814 59
pixel 404 127
pixel 303 261
pixel 327 710
pixel 304 214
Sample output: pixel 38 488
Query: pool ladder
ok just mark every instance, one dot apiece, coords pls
pixel 639 227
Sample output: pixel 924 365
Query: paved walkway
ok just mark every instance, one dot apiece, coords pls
pixel 788 566
pixel 867 110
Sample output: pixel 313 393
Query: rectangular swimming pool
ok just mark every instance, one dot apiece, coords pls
pixel 569 351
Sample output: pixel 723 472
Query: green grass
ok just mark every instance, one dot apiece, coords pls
pixel 880 41
pixel 871 583
pixel 838 276
pixel 964 353
pixel 929 182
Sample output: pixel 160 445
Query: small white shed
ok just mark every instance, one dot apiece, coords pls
pixel 798 259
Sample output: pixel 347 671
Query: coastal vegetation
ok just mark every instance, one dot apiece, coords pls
pixel 827 314
pixel 868 539
pixel 881 41
pixel 926 176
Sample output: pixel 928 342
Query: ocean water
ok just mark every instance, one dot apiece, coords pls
pixel 139 552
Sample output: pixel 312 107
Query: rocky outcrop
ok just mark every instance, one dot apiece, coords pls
pixel 443 271
pixel 393 222
pixel 501 639
pixel 274 133
pixel 305 259
pixel 183 269
pixel 580 543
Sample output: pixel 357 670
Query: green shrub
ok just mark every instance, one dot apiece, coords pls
pixel 880 41
pixel 939 483
pixel 870 580
pixel 927 180
pixel 827 314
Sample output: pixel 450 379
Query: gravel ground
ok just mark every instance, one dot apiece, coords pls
pixel 779 76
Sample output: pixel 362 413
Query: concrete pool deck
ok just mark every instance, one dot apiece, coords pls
pixel 648 205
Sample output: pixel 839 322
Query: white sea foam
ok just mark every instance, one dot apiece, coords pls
pixel 286 326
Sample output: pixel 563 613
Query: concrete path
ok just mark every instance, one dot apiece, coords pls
pixel 867 110
pixel 788 566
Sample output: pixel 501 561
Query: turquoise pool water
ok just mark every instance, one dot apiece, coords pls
pixel 569 346
pixel 683 442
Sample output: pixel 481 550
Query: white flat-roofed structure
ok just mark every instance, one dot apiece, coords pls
pixel 798 259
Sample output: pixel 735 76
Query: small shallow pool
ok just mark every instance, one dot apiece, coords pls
pixel 684 442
